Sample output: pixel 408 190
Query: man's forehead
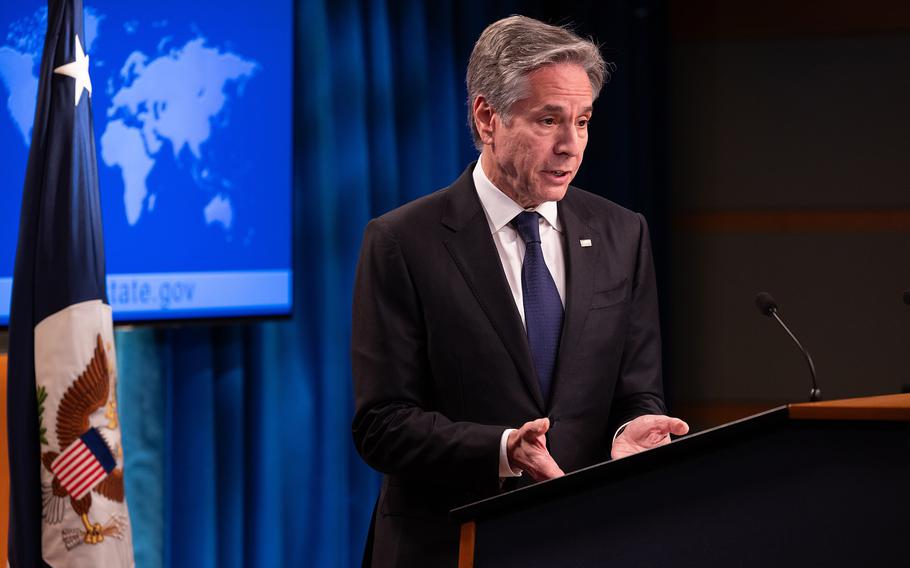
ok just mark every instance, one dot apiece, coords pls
pixel 554 84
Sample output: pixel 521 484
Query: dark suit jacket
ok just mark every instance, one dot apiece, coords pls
pixel 441 363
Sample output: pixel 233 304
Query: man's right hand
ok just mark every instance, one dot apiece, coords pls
pixel 526 449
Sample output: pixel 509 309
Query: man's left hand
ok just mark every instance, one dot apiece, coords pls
pixel 646 432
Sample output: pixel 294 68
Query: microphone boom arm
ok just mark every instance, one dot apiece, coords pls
pixel 814 393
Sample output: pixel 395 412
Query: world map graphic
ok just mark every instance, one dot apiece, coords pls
pixel 192 117
pixel 148 110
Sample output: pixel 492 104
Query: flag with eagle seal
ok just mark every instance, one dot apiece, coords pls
pixel 67 498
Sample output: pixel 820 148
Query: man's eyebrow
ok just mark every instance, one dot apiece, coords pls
pixel 560 108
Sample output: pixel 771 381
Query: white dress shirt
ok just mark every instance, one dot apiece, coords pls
pixel 500 210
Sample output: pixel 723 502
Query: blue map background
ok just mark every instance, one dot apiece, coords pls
pixel 204 104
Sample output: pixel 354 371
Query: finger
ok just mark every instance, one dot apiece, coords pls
pixel 669 425
pixel 678 427
pixel 552 471
pixel 546 468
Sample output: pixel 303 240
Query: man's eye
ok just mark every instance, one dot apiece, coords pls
pixel 548 121
pixel 583 123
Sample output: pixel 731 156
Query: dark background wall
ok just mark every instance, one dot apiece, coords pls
pixel 789 138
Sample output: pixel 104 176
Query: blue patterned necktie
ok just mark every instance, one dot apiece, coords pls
pixel 543 308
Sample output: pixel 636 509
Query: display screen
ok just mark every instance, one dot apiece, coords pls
pixel 192 106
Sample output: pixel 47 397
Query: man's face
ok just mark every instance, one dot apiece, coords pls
pixel 533 158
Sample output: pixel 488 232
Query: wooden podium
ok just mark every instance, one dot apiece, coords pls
pixel 814 484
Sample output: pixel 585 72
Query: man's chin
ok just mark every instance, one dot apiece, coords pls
pixel 554 193
pixel 541 193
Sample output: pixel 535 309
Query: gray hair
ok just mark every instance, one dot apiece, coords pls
pixel 512 48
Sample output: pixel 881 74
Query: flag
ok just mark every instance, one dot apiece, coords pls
pixel 83 464
pixel 68 506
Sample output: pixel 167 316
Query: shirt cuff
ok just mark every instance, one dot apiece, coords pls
pixel 620 429
pixel 504 469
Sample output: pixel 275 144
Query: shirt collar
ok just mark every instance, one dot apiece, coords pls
pixel 499 207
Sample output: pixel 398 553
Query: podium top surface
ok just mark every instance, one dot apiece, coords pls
pixel 883 409
pixel 886 407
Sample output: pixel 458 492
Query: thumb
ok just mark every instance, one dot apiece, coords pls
pixel 536 428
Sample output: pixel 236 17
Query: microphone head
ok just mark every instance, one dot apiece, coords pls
pixel 766 304
pixel 907 297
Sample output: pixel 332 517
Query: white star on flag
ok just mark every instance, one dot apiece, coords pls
pixel 78 70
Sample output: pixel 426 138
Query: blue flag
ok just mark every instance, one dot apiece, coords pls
pixel 67 499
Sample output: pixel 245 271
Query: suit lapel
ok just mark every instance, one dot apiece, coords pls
pixel 475 255
pixel 580 264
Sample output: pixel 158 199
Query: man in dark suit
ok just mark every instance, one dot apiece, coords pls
pixel 507 324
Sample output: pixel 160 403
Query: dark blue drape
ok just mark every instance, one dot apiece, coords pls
pixel 237 436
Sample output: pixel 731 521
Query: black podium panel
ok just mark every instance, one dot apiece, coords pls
pixel 768 491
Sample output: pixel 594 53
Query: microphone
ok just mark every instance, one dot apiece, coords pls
pixel 907 297
pixel 767 306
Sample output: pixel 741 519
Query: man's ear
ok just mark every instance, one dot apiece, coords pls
pixel 484 120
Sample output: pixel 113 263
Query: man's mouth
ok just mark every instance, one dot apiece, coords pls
pixel 558 173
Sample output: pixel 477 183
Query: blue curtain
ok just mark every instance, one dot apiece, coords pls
pixel 237 436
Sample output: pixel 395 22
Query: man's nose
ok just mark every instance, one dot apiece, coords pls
pixel 568 141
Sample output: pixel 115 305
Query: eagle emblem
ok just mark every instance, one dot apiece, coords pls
pixel 85 464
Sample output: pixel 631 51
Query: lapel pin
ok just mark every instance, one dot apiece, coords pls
pixel 585 242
